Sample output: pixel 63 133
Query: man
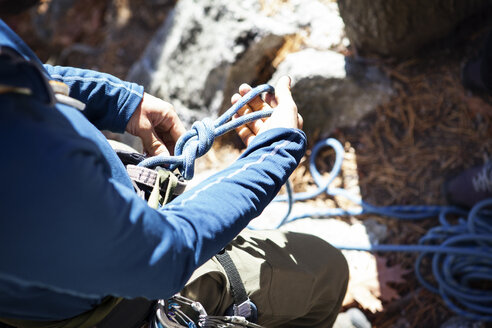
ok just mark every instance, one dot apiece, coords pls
pixel 75 237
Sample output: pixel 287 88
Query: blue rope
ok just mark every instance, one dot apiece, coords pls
pixel 460 254
pixel 197 141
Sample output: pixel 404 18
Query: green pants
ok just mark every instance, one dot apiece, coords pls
pixel 295 279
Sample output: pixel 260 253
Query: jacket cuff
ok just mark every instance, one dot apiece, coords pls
pixel 128 107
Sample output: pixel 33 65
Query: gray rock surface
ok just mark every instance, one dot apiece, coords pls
pixel 331 90
pixel 318 22
pixel 205 50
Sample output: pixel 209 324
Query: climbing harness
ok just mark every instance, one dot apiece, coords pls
pixel 157 186
pixel 180 312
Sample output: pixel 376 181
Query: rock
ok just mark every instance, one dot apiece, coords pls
pixel 318 22
pixel 201 55
pixel 400 28
pixel 332 90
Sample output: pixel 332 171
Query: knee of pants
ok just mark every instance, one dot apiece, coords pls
pixel 338 262
pixel 311 273
pixel 338 267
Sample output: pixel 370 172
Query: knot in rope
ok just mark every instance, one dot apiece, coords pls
pixel 195 143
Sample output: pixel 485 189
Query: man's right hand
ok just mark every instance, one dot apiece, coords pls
pixel 285 114
pixel 157 124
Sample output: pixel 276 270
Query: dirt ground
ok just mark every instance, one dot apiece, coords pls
pixel 431 130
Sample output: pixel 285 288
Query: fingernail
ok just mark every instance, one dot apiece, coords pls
pixel 244 86
pixel 290 80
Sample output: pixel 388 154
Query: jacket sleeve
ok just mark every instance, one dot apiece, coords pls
pixel 110 102
pixel 107 241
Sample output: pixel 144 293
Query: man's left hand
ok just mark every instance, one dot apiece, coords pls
pixel 157 124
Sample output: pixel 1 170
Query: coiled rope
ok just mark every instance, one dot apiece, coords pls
pixel 460 253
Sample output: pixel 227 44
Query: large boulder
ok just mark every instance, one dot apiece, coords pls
pixel 205 50
pixel 400 28
pixel 332 90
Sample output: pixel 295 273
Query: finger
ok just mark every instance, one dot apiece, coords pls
pixel 254 126
pixel 256 103
pixel 285 114
pixel 243 110
pixel 169 133
pixel 168 140
pixel 245 134
pixel 162 121
pixel 235 97
pixel 177 128
pixel 270 100
pixel 244 89
pixel 152 144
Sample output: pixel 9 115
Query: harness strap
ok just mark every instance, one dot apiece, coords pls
pixel 5 89
pixel 21 76
pixel 148 177
pixel 243 306
pixel 157 198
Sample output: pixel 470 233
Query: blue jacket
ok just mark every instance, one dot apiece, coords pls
pixel 72 229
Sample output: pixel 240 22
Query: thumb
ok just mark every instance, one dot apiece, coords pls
pixel 282 90
pixel 285 113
